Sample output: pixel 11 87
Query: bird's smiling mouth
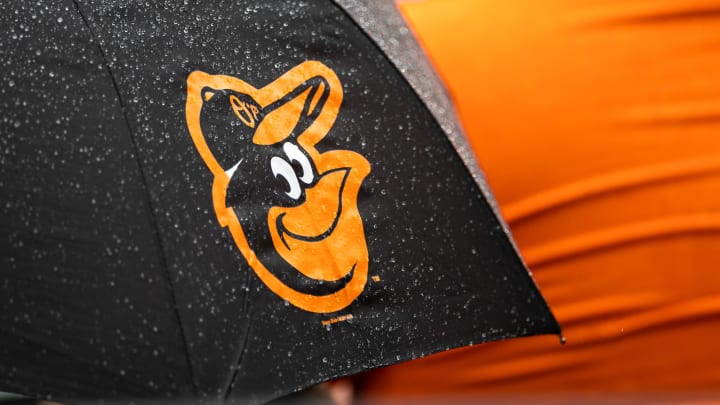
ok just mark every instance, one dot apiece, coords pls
pixel 323 227
pixel 329 180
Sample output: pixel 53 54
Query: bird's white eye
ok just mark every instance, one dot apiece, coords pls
pixel 281 167
pixel 294 154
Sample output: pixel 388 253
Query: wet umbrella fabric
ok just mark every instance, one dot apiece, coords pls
pixel 217 201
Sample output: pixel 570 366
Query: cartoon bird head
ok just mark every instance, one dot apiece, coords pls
pixel 292 211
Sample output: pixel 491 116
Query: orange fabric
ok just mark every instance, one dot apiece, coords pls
pixel 598 126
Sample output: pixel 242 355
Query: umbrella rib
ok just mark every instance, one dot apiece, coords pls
pixel 243 346
pixel 163 258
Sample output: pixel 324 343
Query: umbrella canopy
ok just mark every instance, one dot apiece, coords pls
pixel 228 201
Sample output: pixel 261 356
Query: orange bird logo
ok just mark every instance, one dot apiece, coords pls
pixel 291 209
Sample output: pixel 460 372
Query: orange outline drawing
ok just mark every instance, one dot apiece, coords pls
pixel 345 249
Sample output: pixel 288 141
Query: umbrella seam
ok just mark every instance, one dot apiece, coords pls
pixel 241 354
pixel 146 189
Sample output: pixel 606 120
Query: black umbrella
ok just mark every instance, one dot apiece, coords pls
pixel 225 200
